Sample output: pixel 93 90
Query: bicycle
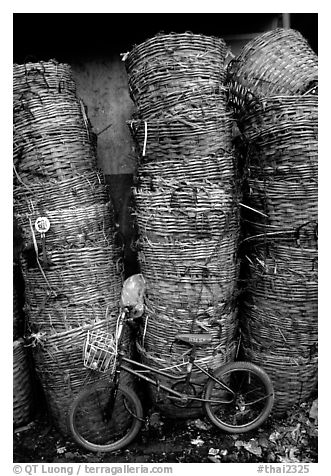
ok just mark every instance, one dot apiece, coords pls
pixel 237 397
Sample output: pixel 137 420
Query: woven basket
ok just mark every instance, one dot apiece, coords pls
pixel 172 210
pixel 280 310
pixel 17 316
pixel 174 195
pixel 288 160
pixel 280 330
pixel 280 114
pixel 60 155
pixel 79 276
pixel 50 75
pixel 199 272
pixel 305 235
pixel 162 138
pixel 288 205
pixel 214 314
pixel 47 111
pixel 80 227
pixel 279 61
pixel 294 378
pixel 22 389
pixel 168 226
pixel 219 168
pixel 59 366
pixel 203 258
pixel 85 189
pixel 52 137
pixel 176 364
pixel 192 289
pixel 160 329
pixel 166 67
pixel 284 285
pixel 58 315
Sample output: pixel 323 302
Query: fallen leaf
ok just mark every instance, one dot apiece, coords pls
pixel 263 441
pixel 213 451
pixel 214 459
pixel 289 456
pixel 61 450
pixel 201 425
pixel 197 442
pixel 313 413
pixel 239 443
pixel 155 420
pixel 275 435
pixel 253 447
pixel 296 432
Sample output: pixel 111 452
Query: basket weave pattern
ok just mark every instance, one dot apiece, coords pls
pixel 278 62
pixel 72 272
pixel 22 389
pixel 186 200
pixel 279 122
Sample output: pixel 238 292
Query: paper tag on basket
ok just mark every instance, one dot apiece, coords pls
pixel 42 225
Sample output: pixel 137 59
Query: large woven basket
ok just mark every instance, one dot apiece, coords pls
pixel 160 330
pixel 281 304
pixel 294 378
pixel 85 189
pixel 204 258
pixel 165 137
pixel 34 77
pixel 18 320
pixel 170 67
pixel 190 291
pixel 52 138
pixel 287 205
pixel 285 157
pixel 219 168
pixel 176 195
pixel 79 227
pixel 173 210
pixel 280 115
pixel 59 366
pixel 282 330
pixel 279 61
pixel 76 276
pixel 164 224
pixel 22 388
pixel 58 315
pixel 288 284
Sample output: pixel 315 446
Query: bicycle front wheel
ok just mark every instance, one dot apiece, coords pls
pixel 247 406
pixel 93 429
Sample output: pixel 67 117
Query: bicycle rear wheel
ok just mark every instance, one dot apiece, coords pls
pixel 250 403
pixel 92 430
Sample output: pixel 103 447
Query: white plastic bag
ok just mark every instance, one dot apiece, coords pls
pixel 133 294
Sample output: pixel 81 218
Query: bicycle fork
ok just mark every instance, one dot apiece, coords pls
pixel 109 407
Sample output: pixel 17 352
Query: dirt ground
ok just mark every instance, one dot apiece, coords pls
pixel 290 439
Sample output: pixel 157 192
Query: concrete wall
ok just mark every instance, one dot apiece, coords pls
pixel 102 85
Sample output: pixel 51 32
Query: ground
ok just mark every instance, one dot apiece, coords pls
pixel 290 439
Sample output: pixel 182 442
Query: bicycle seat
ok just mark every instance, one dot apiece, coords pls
pixel 201 339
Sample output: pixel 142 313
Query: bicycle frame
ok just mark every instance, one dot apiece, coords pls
pixel 121 360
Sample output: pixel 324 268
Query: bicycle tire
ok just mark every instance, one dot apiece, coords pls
pixel 225 372
pixel 91 394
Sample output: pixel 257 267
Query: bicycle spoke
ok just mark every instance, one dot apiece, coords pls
pixel 248 403
pixel 91 423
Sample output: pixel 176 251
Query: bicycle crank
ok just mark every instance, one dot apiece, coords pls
pixel 187 389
